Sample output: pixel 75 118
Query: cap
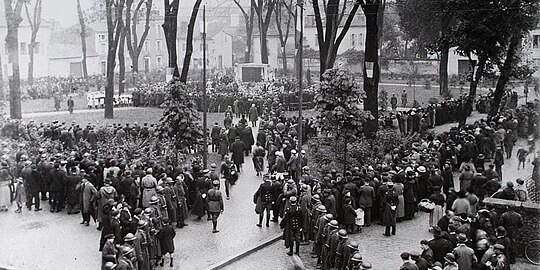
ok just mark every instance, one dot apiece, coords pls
pixel 342 233
pixel 129 237
pixel 154 200
pixel 353 245
pixel 449 257
pixel 333 223
pixel 293 199
pixel 498 246
pixel 356 257
pixel 215 182
pixel 321 208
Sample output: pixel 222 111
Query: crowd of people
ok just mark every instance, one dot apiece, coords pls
pixel 118 176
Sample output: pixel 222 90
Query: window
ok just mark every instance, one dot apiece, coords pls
pixel 103 67
pixel 24 48
pixel 353 40
pixel 36 48
pixel 360 39
pixel 184 46
pixel 102 47
pixel 158 28
pixel 102 37
pixel 536 41
pixel 159 60
pixel 146 46
pixel 158 45
pixel 146 64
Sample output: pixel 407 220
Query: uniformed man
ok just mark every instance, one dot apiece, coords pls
pixel 351 249
pixel 355 261
pixel 264 200
pixel 331 245
pixel 328 229
pixel 341 246
pixel 108 253
pixel 292 223
pixel 320 235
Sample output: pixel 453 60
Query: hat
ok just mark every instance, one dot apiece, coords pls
pixel 215 182
pixel 129 237
pixel 328 216
pixel 421 169
pixel 109 236
pixel 520 181
pixel 500 231
pixel 462 238
pixel 436 231
pixel 159 189
pixel 213 165
pixel 148 211
pixel 449 257
pixel 115 213
pixel 366 266
pixel 317 197
pixel 126 249
pixel 141 223
pixel 292 199
pixel 353 245
pixel 321 208
pixel 356 257
pixel 414 254
pixel 290 181
pixel 342 233
pixel 154 200
pixel 333 223
pixel 149 170
pixel 205 171
pixel 110 265
pixel 303 151
pixel 498 246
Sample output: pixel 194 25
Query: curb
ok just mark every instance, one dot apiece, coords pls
pixel 246 252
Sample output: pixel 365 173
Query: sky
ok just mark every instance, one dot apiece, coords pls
pixel 65 11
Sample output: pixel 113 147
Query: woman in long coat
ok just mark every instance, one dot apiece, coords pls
pixel 105 193
pixel 400 210
pixel 5 192
pixel 438 212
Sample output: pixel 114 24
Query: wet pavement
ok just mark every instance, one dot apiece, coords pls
pixel 43 240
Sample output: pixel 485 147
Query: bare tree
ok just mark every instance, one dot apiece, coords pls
pixel 264 21
pixel 134 44
pixel 83 39
pixel 122 62
pixel 284 36
pixel 115 23
pixel 35 22
pixel 330 37
pixel 170 25
pixel 1 80
pixel 189 41
pixel 248 20
pixel 13 20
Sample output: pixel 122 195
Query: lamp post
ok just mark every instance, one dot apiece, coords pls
pixel 205 124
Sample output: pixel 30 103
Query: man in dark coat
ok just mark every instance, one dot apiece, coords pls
pixel 263 200
pixel 292 225
pixel 32 183
pixel 58 181
pixel 512 222
pixel 237 149
pixel 366 195
pixel 126 189
pixel 72 194
pixel 214 134
pixel 166 238
pixel 390 202
pixel 439 245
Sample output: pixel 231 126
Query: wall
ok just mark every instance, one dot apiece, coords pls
pixel 531 218
pixel 61 67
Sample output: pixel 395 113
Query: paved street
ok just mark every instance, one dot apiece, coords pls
pixel 59 237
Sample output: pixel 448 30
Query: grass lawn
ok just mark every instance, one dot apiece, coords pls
pixel 121 116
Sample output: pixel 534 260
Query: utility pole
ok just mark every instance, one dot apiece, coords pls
pixel 299 34
pixel 205 137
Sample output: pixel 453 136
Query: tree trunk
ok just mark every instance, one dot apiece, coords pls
pixel 83 40
pixel 443 72
pixel 371 85
pixel 189 41
pixel 506 70
pixel 264 45
pixel 477 77
pixel 170 25
pixel 284 58
pixel 1 80
pixel 13 18
pixel 121 63
pixel 31 47
pixel 114 31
